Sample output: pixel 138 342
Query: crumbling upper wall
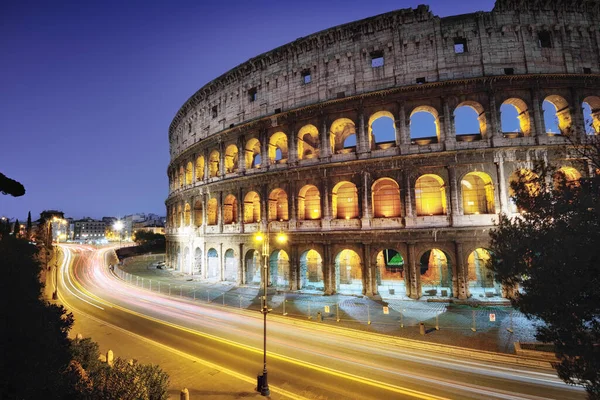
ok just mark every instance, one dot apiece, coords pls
pixel 416 47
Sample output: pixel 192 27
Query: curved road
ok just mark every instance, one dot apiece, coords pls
pixel 305 360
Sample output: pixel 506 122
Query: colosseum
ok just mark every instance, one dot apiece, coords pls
pixel 383 149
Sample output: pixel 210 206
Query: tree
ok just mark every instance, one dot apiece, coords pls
pixel 10 186
pixel 28 226
pixel 16 228
pixel 551 254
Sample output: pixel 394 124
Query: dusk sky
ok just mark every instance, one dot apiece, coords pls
pixel 88 89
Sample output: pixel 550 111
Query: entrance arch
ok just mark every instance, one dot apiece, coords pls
pixel 348 272
pixel 436 273
pixel 231 266
pixel 480 277
pixel 390 273
pixel 214 271
pixel 197 261
pixel 279 269
pixel 186 264
pixel 252 272
pixel 311 271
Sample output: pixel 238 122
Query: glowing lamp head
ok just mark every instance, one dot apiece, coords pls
pixel 281 237
pixel 259 237
pixel 118 225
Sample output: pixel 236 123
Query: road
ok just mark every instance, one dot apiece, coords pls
pixel 305 359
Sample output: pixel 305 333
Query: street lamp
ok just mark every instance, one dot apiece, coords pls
pixel 58 221
pixel 262 382
pixel 118 226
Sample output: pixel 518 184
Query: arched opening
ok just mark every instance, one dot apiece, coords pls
pixel 557 115
pixel 187 215
pixel 252 260
pixel 186 267
pixel 308 142
pixel 385 194
pixel 430 195
pixel 311 271
pixel 230 206
pixel 424 125
pixel 344 201
pixel 478 194
pixel 251 208
pixel 480 277
pixel 189 170
pixel 279 264
pixel 179 215
pixel 348 272
pixel 566 176
pixel 198 213
pixel 278 148
pixel 278 205
pixel 343 136
pixel 231 159
pixel 214 269
pixel 309 203
pixel 181 176
pixel 252 155
pixel 469 121
pixel 514 118
pixel 213 164
pixel 390 273
pixel 591 114
pixel 212 211
pixel 530 178
pixel 197 262
pixel 179 261
pixel 200 168
pixel 231 266
pixel 382 130
pixel 436 273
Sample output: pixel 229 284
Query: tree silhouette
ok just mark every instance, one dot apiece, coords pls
pixel 10 186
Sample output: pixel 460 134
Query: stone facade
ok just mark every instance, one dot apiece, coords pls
pixel 264 147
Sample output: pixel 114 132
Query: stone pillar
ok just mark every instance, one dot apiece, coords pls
pixel 366 200
pixel 492 117
pixel 220 211
pixel 368 276
pixel 328 271
pixel 414 273
pixel 222 261
pixel 194 169
pixel 241 267
pixel 240 209
pixel 292 206
pixel 264 200
pixel 448 126
pixel 362 135
pixel 241 144
pixel 578 127
pixel 264 149
pixel 325 205
pixel 221 159
pixel 407 195
pixel 502 188
pixel 204 213
pixel 206 165
pixel 324 137
pixel 455 203
pixel 292 144
pixel 205 259
pixel 462 285
pixel 294 267
pixel 539 128
pixel 400 125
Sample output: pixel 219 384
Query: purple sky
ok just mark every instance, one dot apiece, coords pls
pixel 87 92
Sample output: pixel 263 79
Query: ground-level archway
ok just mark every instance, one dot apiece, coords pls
pixel 197 261
pixel 252 268
pixel 311 271
pixel 436 273
pixel 480 277
pixel 279 269
pixel 214 270
pixel 231 266
pixel 348 272
pixel 390 273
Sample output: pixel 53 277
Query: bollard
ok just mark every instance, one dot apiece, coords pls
pixel 137 281
pixel 422 328
pixel 109 357
pixel 402 318
pixel 185 394
pixel 309 316
pixel 142 283
pixel 319 317
pixel 194 294
pixel 208 296
pixel 437 321
pixel 240 301
pixel 284 301
pixel 368 315
pixel 474 327
pixel 79 337
pixel 337 312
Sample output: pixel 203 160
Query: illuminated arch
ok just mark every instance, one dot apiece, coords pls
pixel 591 114
pixel 342 129
pixel 382 129
pixel 556 109
pixel 344 201
pixel 385 194
pixel 187 215
pixel 200 168
pixel 231 159
pixel 308 142
pixel 213 163
pixel 479 276
pixel 198 213
pixel 181 176
pixel 309 203
pixel 469 118
pixel 213 268
pixel 430 195
pixel 348 272
pixel 212 210
pixel 567 176
pixel 278 205
pixel 279 274
pixel 531 185
pixel 189 171
pixel 230 206
pixel 278 148
pixel 436 273
pixel 514 116
pixel 311 271
pixel 251 208
pixel 252 156
pixel 231 266
pixel 179 216
pixel 478 193
pixel 423 125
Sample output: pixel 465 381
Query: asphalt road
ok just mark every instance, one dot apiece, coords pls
pixel 305 359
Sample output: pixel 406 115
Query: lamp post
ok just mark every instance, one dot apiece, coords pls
pixel 262 382
pixel 59 221
pixel 118 227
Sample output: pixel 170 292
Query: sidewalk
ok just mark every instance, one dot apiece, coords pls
pixel 482 328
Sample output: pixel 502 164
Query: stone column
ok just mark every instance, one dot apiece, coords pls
pixel 328 271
pixel 539 128
pixel 462 286
pixel 240 209
pixel 447 127
pixel 220 211
pixel 368 276
pixel 241 144
pixel 264 149
pixel 292 206
pixel 413 273
pixel 292 144
pixel 502 184
pixel 194 157
pixel 492 118
pixel 205 258
pixel 206 165
pixel 204 213
pixel 325 205
pixel 400 125
pixel 222 261
pixel 264 200
pixel 362 135
pixel 324 138
pixel 578 127
pixel 294 267
pixel 241 277
pixel 221 159
pixel 455 204
pixel 407 195
pixel 366 200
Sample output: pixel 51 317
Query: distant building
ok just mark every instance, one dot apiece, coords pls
pixel 89 230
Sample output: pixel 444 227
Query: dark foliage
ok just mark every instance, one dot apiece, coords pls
pixel 10 186
pixel 552 253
